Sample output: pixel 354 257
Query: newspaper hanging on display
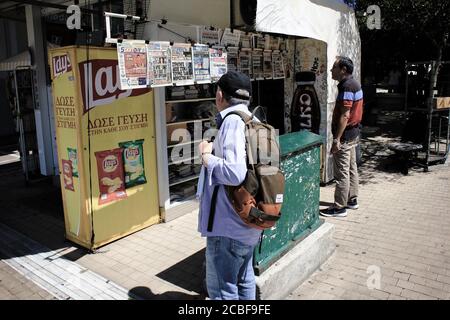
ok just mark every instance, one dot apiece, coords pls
pixel 259 41
pixel 230 38
pixel 200 54
pixel 218 63
pixel 257 64
pixel 182 71
pixel 274 43
pixel 277 64
pixel 211 37
pixel 246 40
pixel 245 62
pixel 158 57
pixel 267 66
pixel 132 58
pixel 232 60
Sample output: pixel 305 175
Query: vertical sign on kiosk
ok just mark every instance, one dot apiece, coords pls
pixel 106 138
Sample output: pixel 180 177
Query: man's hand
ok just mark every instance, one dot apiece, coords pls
pixel 205 146
pixel 336 146
pixel 205 149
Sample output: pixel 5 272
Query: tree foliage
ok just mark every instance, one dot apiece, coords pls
pixel 411 18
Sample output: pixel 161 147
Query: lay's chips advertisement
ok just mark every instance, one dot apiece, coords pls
pixel 106 147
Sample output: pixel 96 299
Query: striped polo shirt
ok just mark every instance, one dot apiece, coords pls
pixel 350 96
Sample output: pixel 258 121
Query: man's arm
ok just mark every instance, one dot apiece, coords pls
pixel 344 112
pixel 232 168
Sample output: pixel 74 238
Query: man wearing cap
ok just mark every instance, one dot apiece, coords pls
pixel 345 127
pixel 230 242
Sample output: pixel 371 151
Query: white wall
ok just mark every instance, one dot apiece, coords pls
pixel 198 12
pixel 330 21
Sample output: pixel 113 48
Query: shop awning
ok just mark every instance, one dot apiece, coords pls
pixel 22 59
pixel 331 21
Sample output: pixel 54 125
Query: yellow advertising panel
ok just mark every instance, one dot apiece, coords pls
pixel 106 147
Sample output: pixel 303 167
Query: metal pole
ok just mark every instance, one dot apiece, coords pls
pixel 447 147
pixel 22 142
pixel 439 136
pixel 109 15
pixel 430 119
pixel 406 86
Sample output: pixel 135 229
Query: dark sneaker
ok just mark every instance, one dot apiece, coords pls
pixel 353 204
pixel 334 212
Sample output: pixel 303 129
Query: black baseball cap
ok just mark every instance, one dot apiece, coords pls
pixel 236 84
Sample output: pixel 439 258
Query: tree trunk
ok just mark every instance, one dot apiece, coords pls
pixel 433 80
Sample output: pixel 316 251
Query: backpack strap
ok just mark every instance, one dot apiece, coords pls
pixel 245 117
pixel 264 113
pixel 212 209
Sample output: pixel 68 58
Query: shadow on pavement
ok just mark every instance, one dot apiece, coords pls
pixel 34 209
pixel 188 273
pixel 144 293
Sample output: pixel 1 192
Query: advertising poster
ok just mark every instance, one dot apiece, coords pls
pixel 267 67
pixel 233 58
pixel 200 54
pixel 257 64
pixel 132 55
pixel 108 133
pixel 218 61
pixel 277 64
pixel 181 61
pixel 245 62
pixel 313 57
pixel 158 57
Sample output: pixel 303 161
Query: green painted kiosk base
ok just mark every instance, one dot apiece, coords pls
pixel 300 242
pixel 293 268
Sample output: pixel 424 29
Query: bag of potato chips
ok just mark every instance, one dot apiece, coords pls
pixel 110 175
pixel 133 159
pixel 72 153
pixel 67 175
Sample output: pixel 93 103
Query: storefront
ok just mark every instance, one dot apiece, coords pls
pixel 99 125
pixel 302 99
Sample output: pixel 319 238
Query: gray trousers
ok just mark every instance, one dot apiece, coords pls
pixel 345 174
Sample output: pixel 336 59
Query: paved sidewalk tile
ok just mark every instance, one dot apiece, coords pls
pixel 395 246
pixel 14 286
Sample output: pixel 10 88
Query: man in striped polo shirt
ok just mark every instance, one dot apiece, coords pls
pixel 345 126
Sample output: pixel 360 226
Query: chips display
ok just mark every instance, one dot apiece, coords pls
pixel 133 158
pixel 110 175
pixel 67 175
pixel 72 153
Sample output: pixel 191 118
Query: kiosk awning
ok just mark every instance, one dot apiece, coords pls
pixel 22 59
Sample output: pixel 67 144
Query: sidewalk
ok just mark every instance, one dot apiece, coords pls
pixel 402 229
pixel 401 232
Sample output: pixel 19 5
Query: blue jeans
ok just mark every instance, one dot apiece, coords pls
pixel 229 269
